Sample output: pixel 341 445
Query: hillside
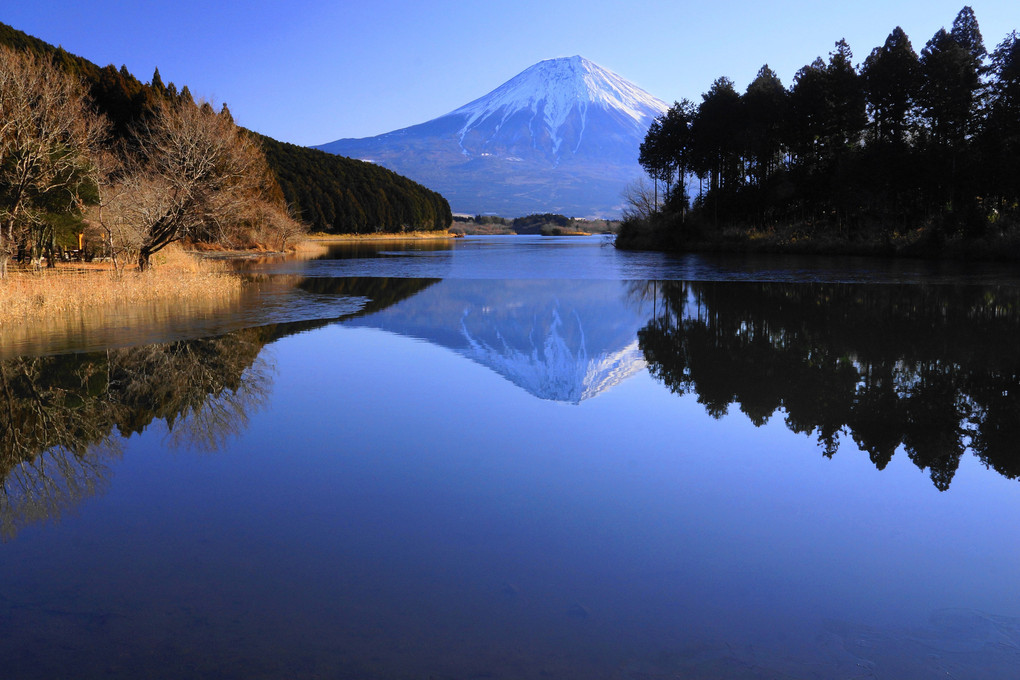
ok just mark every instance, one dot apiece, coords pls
pixel 329 193
pixel 338 195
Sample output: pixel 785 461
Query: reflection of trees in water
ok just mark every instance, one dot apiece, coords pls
pixel 61 417
pixel 61 414
pixel 933 369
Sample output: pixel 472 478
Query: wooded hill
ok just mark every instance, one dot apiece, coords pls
pixel 329 193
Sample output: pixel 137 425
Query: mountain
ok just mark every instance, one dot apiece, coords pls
pixel 560 137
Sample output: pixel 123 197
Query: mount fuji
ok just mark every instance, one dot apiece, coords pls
pixel 561 137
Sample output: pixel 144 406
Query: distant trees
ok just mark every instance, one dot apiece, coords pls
pixel 903 140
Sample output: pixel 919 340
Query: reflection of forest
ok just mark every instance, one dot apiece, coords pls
pixel 60 413
pixel 63 416
pixel 934 369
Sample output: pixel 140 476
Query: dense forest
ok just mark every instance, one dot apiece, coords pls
pixel 339 195
pixel 328 193
pixel 902 149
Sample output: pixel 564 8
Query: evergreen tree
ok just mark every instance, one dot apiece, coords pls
pixel 967 34
pixel 157 83
pixel 948 88
pixel 845 99
pixel 765 105
pixel 891 80
pixel 1001 136
pixel 808 112
pixel 716 128
pixel 676 129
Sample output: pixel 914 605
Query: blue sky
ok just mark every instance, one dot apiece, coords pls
pixel 309 71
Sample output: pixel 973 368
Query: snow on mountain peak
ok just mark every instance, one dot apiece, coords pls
pixel 554 90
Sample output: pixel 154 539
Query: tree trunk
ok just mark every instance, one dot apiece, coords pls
pixel 143 259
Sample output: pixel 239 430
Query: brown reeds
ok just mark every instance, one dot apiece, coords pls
pixel 176 276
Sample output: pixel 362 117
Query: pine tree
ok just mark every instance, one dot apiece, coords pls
pixel 765 104
pixel 891 80
pixel 967 34
pixel 157 83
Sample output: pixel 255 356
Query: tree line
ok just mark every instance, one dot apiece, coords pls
pixel 898 142
pixel 340 195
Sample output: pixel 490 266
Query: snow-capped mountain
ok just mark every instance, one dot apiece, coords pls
pixel 562 137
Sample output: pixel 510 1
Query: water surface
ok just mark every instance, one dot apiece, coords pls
pixel 526 458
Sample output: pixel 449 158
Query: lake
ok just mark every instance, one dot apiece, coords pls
pixel 515 458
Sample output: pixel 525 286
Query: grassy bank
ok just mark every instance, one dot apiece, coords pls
pixel 177 276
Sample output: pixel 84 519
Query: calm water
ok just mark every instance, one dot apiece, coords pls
pixel 524 458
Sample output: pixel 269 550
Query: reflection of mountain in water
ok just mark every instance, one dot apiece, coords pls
pixel 560 340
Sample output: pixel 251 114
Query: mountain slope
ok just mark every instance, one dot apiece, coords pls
pixel 561 137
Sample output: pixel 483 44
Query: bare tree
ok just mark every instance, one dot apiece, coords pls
pixel 110 219
pixel 640 200
pixel 47 137
pixel 199 176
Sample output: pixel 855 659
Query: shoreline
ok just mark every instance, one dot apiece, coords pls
pixel 923 243
pixel 321 237
pixel 317 240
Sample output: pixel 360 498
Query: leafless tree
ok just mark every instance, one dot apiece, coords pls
pixel 641 200
pixel 198 176
pixel 48 135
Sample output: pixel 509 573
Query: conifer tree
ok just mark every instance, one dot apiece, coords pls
pixel 891 79
pixel 157 83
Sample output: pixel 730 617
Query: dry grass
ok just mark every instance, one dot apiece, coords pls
pixel 175 276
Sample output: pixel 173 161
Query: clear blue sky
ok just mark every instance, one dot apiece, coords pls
pixel 311 71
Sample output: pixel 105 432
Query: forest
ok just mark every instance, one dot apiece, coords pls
pixel 340 195
pixel 902 152
pixel 123 122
